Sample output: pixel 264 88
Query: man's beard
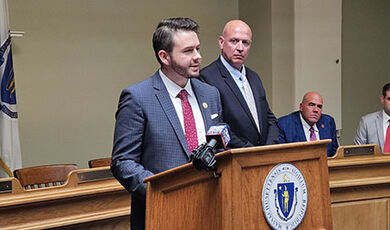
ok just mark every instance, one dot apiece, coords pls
pixel 183 71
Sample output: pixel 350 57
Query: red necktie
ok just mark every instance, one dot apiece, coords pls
pixel 313 136
pixel 189 121
pixel 387 140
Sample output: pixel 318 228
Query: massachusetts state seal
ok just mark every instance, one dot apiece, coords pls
pixel 284 197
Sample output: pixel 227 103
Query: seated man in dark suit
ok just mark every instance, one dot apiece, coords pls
pixel 309 124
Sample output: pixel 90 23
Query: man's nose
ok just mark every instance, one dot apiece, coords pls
pixel 240 46
pixel 197 55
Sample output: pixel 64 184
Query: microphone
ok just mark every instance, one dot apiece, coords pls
pixel 203 157
pixel 220 134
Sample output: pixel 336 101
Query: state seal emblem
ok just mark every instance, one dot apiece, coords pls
pixel 284 197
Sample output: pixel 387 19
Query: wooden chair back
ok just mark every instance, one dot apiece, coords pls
pixel 44 176
pixel 101 162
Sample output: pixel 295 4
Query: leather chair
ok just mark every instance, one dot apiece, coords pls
pixel 44 176
pixel 101 162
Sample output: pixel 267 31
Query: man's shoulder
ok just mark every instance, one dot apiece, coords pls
pixel 371 116
pixel 288 117
pixel 326 118
pixel 204 87
pixel 140 88
pixel 211 68
pixel 198 83
pixel 288 121
pixel 249 71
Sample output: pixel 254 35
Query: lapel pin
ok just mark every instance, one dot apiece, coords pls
pixel 322 126
pixel 205 105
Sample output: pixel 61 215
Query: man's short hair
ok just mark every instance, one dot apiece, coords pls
pixel 163 35
pixel 385 89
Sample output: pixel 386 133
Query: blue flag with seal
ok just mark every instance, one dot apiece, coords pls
pixel 10 155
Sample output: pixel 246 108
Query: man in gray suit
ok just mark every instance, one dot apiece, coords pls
pixel 374 127
pixel 160 120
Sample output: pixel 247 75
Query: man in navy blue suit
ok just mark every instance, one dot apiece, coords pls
pixel 244 103
pixel 160 120
pixel 309 124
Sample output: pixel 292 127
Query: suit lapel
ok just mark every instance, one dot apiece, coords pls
pixel 234 88
pixel 379 128
pixel 169 110
pixel 203 103
pixel 321 128
pixel 299 127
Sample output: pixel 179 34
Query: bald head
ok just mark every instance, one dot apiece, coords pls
pixel 235 42
pixel 311 95
pixel 311 107
pixel 236 25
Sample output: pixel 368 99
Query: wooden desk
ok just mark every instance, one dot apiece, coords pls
pixel 360 189
pixel 90 199
pixel 359 194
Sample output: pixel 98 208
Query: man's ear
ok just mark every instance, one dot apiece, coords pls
pixel 164 57
pixel 221 40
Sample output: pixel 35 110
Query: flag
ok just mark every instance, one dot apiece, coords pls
pixel 10 155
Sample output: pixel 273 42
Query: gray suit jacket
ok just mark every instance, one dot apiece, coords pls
pixel 370 130
pixel 149 138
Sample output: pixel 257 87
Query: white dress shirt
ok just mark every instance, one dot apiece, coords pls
pixel 235 74
pixel 243 84
pixel 306 129
pixel 385 123
pixel 174 90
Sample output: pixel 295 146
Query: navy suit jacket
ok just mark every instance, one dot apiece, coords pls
pixel 149 138
pixel 236 112
pixel 291 130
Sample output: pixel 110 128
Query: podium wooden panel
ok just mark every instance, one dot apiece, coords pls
pixel 360 189
pixel 186 198
pixel 89 199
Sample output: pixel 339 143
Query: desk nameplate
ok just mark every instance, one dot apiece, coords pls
pixel 6 186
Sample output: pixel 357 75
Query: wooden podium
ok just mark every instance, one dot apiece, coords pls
pixel 186 198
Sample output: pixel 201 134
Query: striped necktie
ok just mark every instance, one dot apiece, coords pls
pixel 250 100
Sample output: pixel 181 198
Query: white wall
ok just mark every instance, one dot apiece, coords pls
pixel 365 60
pixel 76 57
pixel 317 47
pixel 283 76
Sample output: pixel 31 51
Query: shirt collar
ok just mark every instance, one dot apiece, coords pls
pixel 173 88
pixel 236 74
pixel 386 117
